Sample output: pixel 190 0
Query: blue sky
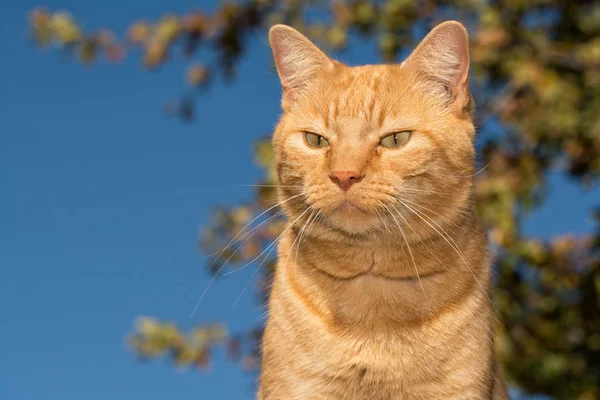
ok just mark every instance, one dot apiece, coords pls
pixel 101 201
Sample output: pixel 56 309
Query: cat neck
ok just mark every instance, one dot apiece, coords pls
pixel 387 279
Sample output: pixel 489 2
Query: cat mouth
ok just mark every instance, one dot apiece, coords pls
pixel 348 206
pixel 350 216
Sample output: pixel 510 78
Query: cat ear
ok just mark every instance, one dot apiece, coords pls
pixel 442 59
pixel 298 61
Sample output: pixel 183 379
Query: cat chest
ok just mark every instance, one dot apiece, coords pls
pixel 392 369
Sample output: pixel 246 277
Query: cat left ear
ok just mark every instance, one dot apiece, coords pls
pixel 298 61
pixel 442 59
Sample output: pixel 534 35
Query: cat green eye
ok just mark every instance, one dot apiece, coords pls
pixel 316 141
pixel 395 140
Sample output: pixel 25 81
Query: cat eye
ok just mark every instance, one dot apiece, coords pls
pixel 395 140
pixel 316 141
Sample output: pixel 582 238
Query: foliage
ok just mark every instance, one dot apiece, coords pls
pixel 154 339
pixel 536 72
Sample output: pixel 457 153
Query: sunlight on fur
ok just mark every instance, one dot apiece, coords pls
pixel 382 283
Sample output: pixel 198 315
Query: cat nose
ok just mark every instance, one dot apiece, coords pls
pixel 345 179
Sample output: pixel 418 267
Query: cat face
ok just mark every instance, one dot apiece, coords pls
pixel 371 147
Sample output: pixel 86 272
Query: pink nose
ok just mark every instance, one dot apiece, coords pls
pixel 345 179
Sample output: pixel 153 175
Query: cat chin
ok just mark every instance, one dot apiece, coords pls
pixel 353 220
pixel 350 208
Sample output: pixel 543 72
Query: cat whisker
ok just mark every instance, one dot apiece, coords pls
pixel 233 240
pixel 407 245
pixel 448 240
pixel 263 315
pixel 438 225
pixel 423 242
pixel 276 186
pixel 299 238
pixel 222 267
pixel 435 214
pixel 383 221
pixel 429 222
pixel 317 216
pixel 481 170
pixel 245 235
pixel 314 190
pixel 248 238
pixel 250 280
pixel 236 240
pixel 418 190
pixel 269 248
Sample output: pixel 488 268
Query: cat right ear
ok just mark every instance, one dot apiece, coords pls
pixel 442 59
pixel 297 59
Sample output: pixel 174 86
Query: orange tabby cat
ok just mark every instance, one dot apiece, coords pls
pixel 382 287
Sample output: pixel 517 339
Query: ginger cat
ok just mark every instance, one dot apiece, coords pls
pixel 382 287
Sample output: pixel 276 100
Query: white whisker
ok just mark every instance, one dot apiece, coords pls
pixel 250 223
pixel 233 240
pixel 269 248
pixel 287 259
pixel 228 259
pixel 481 170
pixel 407 246
pixel 414 204
pixel 451 242
pixel 275 186
pixel 250 280
pixel 418 190
pixel 302 236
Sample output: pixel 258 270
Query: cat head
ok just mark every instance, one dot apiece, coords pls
pixel 364 148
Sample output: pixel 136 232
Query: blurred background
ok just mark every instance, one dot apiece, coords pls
pixel 132 133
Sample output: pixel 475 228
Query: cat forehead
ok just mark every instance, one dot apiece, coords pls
pixel 355 84
pixel 352 94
